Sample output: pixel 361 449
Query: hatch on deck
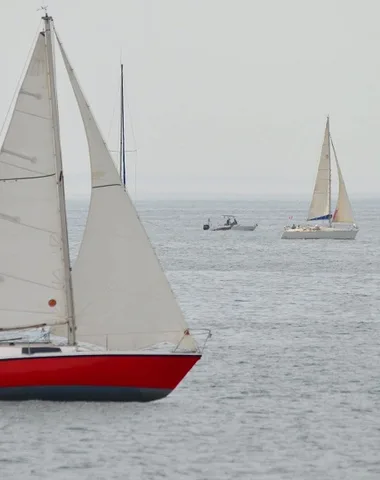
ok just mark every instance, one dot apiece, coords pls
pixel 32 350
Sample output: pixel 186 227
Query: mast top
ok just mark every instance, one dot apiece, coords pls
pixel 46 16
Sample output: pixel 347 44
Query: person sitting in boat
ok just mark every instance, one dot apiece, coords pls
pixel 228 221
pixel 294 226
pixel 234 222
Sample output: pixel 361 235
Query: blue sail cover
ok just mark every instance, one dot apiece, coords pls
pixel 323 217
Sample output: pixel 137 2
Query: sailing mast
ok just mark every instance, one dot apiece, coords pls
pixel 329 154
pixel 60 182
pixel 122 170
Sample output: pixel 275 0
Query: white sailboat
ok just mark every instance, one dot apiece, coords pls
pixel 115 304
pixel 341 224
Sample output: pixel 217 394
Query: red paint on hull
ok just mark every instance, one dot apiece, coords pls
pixel 124 370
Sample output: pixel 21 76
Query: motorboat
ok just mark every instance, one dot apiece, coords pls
pixel 229 223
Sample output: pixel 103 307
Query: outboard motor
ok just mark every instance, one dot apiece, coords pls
pixel 206 226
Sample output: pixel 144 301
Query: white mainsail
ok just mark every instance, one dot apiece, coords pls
pixel 320 207
pixel 122 297
pixel 343 211
pixel 32 283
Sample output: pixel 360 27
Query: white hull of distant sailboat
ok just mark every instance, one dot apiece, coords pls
pixel 340 225
pixel 313 233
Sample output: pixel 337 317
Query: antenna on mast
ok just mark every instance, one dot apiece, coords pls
pixel 44 8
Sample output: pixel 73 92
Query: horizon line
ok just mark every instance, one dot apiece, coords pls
pixel 224 196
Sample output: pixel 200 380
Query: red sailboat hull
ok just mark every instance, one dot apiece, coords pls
pixel 93 377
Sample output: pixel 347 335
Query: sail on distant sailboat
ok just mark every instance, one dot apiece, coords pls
pixel 341 224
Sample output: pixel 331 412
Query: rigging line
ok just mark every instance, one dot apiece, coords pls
pixel 16 221
pixel 104 186
pixel 30 170
pixel 126 151
pixel 333 147
pixel 21 78
pixel 114 109
pixel 122 124
pixel 11 329
pixel 14 277
pixel 129 111
pixel 122 129
pixel 136 332
pixel 136 179
pixel 113 116
pixel 33 312
pixel 28 327
pixel 129 116
pixel 336 160
pixel 26 178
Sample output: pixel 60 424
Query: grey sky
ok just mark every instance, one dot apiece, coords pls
pixel 225 96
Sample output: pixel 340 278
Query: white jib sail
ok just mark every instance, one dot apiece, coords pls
pixel 320 203
pixel 122 297
pixel 31 262
pixel 343 212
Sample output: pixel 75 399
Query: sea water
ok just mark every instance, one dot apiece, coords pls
pixel 289 384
